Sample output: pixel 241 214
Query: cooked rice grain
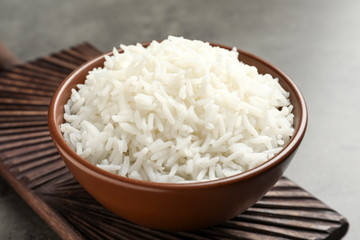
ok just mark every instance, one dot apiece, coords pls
pixel 177 111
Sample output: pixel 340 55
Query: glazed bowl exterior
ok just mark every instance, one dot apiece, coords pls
pixel 185 206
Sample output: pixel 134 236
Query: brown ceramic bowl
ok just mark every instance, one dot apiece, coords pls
pixel 184 206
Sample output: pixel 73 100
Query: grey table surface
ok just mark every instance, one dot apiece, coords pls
pixel 315 42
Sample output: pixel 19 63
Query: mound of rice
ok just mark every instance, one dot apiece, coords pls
pixel 177 111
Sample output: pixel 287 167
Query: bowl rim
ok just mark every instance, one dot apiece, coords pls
pixel 291 146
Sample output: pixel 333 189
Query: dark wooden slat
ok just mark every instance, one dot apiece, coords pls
pixel 60 63
pixel 272 230
pixel 329 215
pixel 207 234
pixel 29 80
pixel 32 141
pixel 24 150
pixel 306 225
pixel 15 107
pixel 45 178
pixel 64 56
pixel 39 163
pixel 23 136
pixel 32 66
pixel 95 211
pixel 84 226
pixel 46 173
pixel 29 102
pixel 26 123
pixel 51 66
pixel 16 131
pixel 61 187
pixel 22 113
pixel 24 90
pixel 29 157
pixel 87 50
pixel 16 95
pixel 236 234
pixel 293 204
pixel 82 58
pixel 21 120
pixel 35 73
pixel 293 193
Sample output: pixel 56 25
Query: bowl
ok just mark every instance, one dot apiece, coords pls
pixel 185 206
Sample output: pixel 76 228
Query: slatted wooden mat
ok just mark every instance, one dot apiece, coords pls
pixel 31 164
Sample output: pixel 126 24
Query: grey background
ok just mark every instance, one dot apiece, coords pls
pixel 315 42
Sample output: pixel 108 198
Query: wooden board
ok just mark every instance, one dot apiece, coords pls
pixel 31 164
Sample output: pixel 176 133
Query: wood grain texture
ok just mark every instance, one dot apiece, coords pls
pixel 32 166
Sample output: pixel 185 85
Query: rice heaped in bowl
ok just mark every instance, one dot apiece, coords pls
pixel 177 111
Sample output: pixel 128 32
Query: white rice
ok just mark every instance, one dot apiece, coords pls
pixel 177 111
